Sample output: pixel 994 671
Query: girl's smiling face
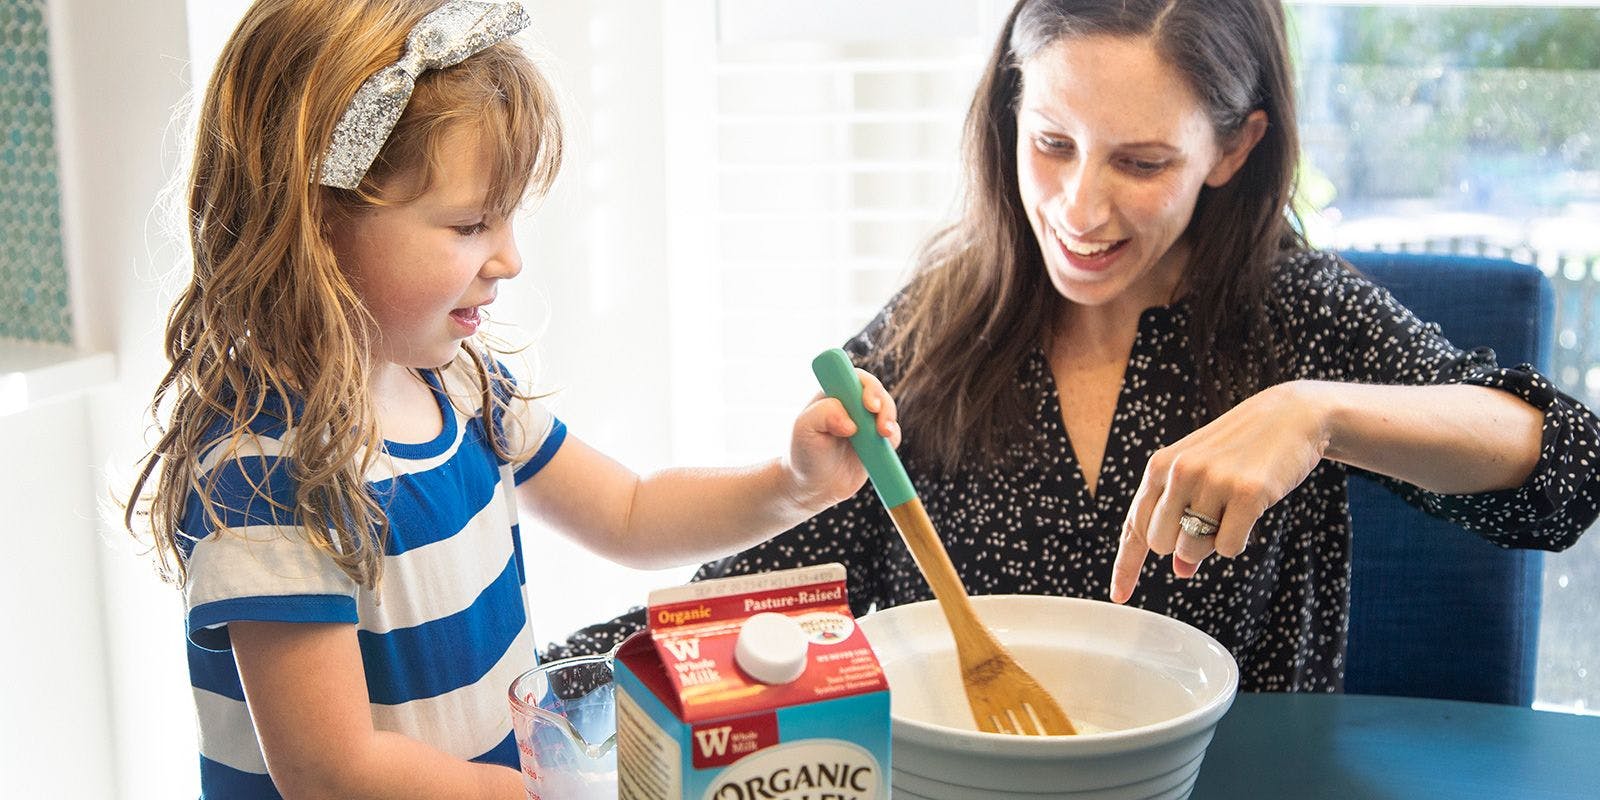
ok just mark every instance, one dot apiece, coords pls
pixel 1112 151
pixel 424 269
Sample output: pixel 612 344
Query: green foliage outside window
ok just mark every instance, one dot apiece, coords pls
pixel 1474 108
pixel 1474 37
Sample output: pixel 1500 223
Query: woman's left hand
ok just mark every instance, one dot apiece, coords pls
pixel 1228 472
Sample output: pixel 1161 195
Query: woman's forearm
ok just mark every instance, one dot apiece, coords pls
pixel 1448 439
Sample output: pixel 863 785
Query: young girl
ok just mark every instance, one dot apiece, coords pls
pixel 334 487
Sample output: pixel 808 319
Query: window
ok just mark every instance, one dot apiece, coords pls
pixel 837 134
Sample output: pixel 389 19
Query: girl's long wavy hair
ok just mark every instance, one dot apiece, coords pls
pixel 980 300
pixel 269 326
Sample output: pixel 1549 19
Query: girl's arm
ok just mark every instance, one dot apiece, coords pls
pixel 1448 439
pixel 681 516
pixel 307 696
pixel 850 533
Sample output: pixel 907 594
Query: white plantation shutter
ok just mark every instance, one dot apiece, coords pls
pixel 830 133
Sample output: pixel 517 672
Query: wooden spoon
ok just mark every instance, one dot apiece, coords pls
pixel 1003 696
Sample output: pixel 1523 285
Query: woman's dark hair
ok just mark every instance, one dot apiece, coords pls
pixel 980 301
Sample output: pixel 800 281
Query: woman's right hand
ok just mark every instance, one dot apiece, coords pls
pixel 1231 470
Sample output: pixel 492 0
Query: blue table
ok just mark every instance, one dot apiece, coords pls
pixel 1353 747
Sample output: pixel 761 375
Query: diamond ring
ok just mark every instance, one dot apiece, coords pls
pixel 1195 523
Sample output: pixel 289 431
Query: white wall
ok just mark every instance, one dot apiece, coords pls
pixel 52 681
pixel 119 71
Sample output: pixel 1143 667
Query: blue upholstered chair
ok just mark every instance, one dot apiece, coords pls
pixel 1436 611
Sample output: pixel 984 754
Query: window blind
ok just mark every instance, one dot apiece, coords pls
pixel 836 151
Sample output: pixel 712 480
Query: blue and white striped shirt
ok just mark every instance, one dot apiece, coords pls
pixel 445 632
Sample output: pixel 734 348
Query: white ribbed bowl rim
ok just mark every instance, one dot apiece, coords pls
pixel 1083 744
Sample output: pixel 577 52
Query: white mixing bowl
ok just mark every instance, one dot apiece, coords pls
pixel 1145 690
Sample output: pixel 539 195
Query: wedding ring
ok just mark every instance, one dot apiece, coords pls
pixel 1195 523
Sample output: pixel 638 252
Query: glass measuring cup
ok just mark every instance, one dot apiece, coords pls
pixel 564 715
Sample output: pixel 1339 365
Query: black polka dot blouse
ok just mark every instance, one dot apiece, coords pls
pixel 1280 607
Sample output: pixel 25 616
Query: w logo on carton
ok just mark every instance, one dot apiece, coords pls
pixel 722 743
pixel 684 649
pixel 713 741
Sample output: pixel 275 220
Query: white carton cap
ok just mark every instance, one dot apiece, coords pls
pixel 771 648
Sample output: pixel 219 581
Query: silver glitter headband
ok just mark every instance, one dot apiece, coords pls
pixel 446 37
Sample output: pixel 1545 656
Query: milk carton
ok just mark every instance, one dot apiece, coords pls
pixel 757 687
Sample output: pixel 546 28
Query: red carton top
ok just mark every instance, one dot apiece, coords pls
pixel 695 627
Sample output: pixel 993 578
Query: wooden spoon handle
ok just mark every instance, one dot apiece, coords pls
pixel 839 380
pixel 911 519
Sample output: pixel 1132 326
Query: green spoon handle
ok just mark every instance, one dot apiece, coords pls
pixel 840 381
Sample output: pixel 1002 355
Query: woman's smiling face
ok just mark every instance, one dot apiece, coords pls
pixel 1112 151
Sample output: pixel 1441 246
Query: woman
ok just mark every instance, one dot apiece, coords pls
pixel 1123 346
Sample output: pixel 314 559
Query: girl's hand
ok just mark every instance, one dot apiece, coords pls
pixel 1232 470
pixel 823 467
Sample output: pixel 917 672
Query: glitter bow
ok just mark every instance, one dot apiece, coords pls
pixel 446 37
